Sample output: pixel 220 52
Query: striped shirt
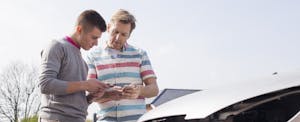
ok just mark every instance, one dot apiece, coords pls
pixel 119 68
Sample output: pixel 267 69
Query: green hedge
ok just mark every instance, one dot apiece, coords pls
pixel 31 119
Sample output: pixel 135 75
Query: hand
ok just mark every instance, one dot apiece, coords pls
pixel 98 94
pixel 113 93
pixel 90 98
pixel 131 91
pixel 95 86
pixel 94 96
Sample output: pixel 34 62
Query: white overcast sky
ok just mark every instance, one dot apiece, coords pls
pixel 191 43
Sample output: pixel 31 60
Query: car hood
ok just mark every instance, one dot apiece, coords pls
pixel 204 103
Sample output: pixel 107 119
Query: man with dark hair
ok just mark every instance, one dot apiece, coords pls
pixel 63 75
pixel 126 67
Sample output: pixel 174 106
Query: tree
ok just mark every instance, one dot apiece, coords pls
pixel 19 96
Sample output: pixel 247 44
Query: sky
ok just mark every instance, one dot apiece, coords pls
pixel 194 44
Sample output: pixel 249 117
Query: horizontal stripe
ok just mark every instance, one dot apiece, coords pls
pixel 149 76
pixel 122 113
pixel 122 102
pixel 120 119
pixel 147 72
pixel 117 70
pixel 146 62
pixel 119 75
pixel 115 65
pixel 108 110
pixel 131 49
pixel 91 66
pixel 114 61
pixel 130 107
pixel 122 84
pixel 92 76
pixel 108 103
pixel 129 56
pixel 122 108
pixel 102 58
pixel 98 58
pixel 130 112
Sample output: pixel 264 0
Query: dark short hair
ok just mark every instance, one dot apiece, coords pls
pixel 90 19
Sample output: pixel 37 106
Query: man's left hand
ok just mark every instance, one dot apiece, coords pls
pixel 131 91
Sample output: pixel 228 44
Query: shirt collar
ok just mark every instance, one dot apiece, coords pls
pixel 70 40
pixel 105 46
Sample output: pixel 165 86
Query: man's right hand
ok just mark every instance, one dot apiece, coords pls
pixel 94 85
pixel 91 85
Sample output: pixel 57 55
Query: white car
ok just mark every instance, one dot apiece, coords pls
pixel 273 99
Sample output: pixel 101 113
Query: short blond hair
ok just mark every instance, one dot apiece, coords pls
pixel 124 17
